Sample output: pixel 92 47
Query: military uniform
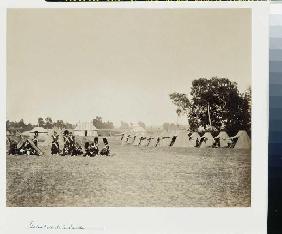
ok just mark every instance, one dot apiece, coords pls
pixel 106 150
pixel 55 148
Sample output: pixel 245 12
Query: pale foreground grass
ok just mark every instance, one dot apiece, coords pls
pixel 163 177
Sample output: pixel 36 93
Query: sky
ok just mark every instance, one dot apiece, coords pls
pixel 120 64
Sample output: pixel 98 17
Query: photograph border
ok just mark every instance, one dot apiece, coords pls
pixel 157 220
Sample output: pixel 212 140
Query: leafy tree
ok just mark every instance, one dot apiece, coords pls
pixel 59 124
pixel 216 101
pixel 48 123
pixel 98 123
pixel 219 97
pixel 18 126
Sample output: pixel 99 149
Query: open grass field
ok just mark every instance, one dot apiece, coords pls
pixel 154 177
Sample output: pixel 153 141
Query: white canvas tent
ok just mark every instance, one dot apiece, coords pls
pixel 182 139
pixel 208 142
pixel 137 129
pixel 39 130
pixel 85 129
pixel 243 141
pixel 224 140
pixel 194 139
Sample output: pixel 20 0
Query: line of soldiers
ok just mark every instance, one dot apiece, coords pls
pixel 73 148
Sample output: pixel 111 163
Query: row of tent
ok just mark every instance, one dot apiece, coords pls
pixel 183 138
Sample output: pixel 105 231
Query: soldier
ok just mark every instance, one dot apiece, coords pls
pixel 35 138
pixel 77 149
pixel 106 150
pixel 93 148
pixel 66 149
pixel 13 150
pixel 87 148
pixel 55 148
pixel 72 143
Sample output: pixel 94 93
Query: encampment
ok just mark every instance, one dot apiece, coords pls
pixel 182 139
pixel 243 141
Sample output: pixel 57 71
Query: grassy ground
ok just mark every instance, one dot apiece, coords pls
pixel 156 177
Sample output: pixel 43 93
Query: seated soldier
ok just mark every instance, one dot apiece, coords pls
pixel 86 149
pixel 94 150
pixel 106 150
pixel 13 150
pixel 77 150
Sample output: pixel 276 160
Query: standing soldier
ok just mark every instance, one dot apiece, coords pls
pixel 55 148
pixel 66 149
pixel 72 143
pixel 35 138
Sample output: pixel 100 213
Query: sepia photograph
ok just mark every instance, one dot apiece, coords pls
pixel 129 107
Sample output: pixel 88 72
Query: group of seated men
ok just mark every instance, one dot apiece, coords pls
pixel 73 148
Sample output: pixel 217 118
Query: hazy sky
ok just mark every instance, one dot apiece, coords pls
pixel 119 64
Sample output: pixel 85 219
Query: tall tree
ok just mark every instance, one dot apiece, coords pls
pixel 218 101
pixel 215 102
